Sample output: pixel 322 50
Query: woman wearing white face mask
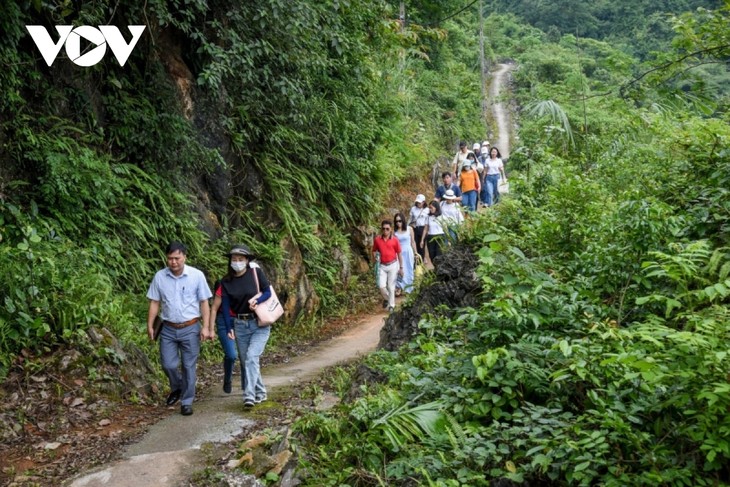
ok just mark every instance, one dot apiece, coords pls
pixel 237 298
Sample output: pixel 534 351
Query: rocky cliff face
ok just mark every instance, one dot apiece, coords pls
pixel 455 285
pixel 237 179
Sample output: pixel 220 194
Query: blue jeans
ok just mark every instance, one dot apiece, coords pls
pixel 229 352
pixel 492 181
pixel 251 340
pixel 469 200
pixel 177 344
pixel 229 346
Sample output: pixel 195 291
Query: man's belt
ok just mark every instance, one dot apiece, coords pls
pixel 182 325
pixel 388 263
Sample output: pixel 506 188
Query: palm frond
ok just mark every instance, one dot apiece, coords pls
pixel 556 114
pixel 404 424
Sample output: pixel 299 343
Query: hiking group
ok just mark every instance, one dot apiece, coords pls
pixel 405 243
pixel 179 295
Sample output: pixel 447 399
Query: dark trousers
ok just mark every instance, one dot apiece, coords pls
pixel 420 247
pixel 434 243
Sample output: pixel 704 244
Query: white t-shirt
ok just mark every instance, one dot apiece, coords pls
pixel 434 226
pixel 419 216
pixel 451 213
pixel 493 166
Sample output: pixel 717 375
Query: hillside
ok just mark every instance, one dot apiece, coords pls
pixel 576 333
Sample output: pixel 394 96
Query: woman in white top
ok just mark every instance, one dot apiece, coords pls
pixel 493 169
pixel 434 234
pixel 451 215
pixel 407 240
pixel 417 219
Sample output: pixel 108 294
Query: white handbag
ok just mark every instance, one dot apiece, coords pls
pixel 270 310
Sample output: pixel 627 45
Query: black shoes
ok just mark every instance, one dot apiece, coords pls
pixel 385 303
pixel 174 397
pixel 186 410
pixel 227 386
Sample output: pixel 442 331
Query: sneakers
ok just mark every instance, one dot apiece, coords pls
pixel 227 386
pixel 248 403
pixel 385 303
pixel 260 399
pixel 391 309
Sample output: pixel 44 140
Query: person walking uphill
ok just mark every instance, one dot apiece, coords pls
pixel 391 263
pixel 417 219
pixel 236 299
pixel 182 293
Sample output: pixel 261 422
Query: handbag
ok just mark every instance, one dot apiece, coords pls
pixel 269 311
pixel 420 269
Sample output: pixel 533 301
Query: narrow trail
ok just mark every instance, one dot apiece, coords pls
pixel 500 80
pixel 170 450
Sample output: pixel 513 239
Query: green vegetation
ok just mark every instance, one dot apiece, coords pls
pixel 598 354
pixel 274 123
pixel 638 27
pixel 599 351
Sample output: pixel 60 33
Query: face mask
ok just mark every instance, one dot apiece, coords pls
pixel 238 266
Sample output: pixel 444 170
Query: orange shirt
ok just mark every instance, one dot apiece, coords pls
pixel 469 181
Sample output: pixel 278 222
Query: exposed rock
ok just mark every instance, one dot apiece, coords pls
pixel 69 359
pixel 364 375
pixel 237 479
pixel 326 401
pixel 262 460
pixel 361 238
pixel 293 287
pixel 455 286
pixel 281 459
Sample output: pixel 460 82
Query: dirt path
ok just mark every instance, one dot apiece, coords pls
pixel 170 450
pixel 501 113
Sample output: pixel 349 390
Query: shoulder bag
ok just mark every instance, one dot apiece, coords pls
pixel 270 310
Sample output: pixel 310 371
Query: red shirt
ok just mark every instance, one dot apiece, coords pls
pixel 389 249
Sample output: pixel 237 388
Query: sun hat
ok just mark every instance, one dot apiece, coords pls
pixel 420 198
pixel 449 195
pixel 240 249
pixel 486 142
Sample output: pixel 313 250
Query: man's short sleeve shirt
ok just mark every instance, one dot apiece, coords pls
pixel 441 190
pixel 179 296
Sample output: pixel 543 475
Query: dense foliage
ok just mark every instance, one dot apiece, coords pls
pixel 598 354
pixel 276 123
pixel 639 27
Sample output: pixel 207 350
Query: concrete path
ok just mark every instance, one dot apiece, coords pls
pixel 500 79
pixel 170 451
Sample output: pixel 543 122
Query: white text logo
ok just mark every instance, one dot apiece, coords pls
pixel 71 37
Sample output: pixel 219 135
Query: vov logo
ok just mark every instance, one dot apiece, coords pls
pixel 71 38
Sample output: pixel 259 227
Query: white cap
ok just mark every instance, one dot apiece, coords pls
pixel 420 198
pixel 476 145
